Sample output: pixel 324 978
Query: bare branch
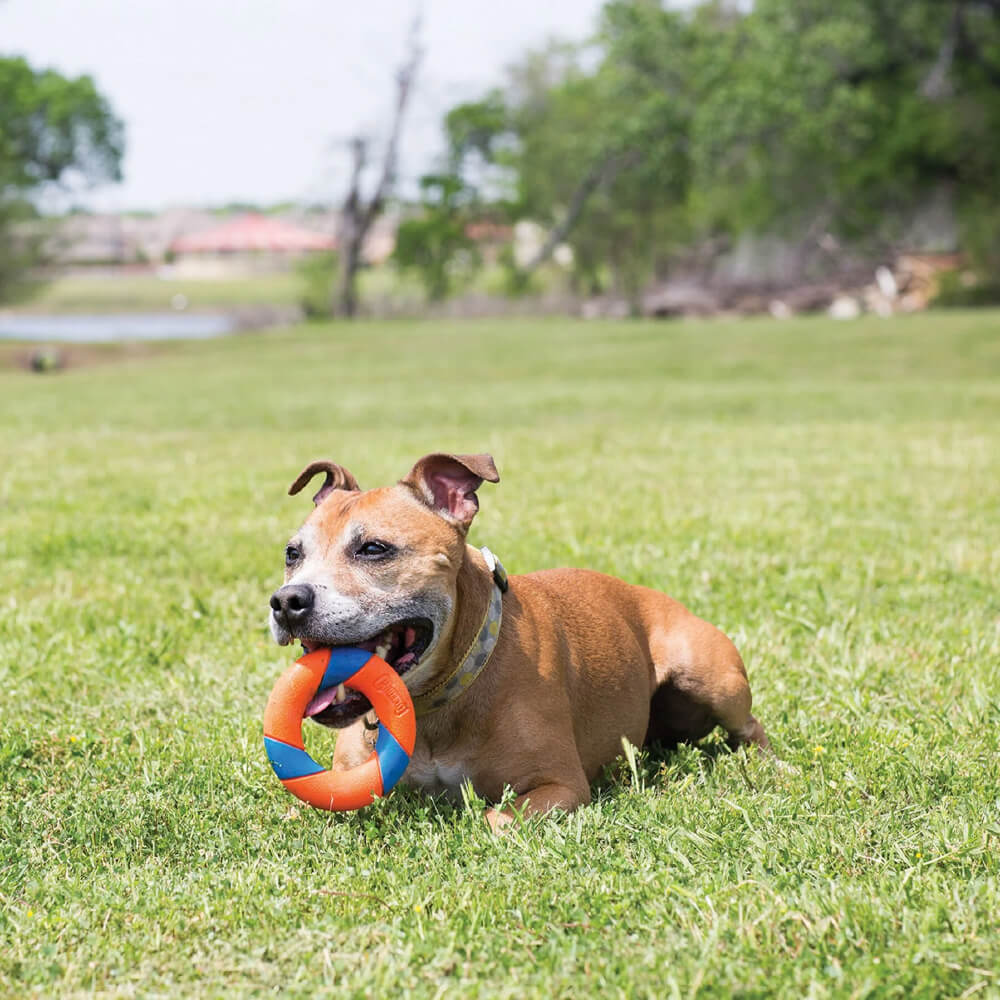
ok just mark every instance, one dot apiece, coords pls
pixel 601 173
pixel 404 87
pixel 359 215
pixel 937 85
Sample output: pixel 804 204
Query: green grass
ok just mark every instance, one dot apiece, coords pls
pixel 827 493
pixel 131 292
pixel 147 292
pixel 381 288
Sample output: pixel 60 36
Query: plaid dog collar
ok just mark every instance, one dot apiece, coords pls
pixel 478 654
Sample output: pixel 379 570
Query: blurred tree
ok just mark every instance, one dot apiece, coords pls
pixel 434 244
pixel 681 128
pixel 597 151
pixel 843 117
pixel 655 69
pixel 21 252
pixel 53 130
pixel 475 134
pixel 359 213
pixel 316 273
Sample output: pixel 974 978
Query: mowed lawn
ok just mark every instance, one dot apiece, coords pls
pixel 829 494
pixel 148 292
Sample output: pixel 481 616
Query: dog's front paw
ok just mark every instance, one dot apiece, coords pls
pixel 499 820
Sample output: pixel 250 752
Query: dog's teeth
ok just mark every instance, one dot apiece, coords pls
pixel 341 693
pixel 382 650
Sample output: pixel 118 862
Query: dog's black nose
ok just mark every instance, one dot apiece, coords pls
pixel 292 604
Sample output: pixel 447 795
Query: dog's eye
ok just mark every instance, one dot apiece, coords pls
pixel 372 550
pixel 292 555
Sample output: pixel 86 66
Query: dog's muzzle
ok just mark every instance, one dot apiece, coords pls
pixel 292 604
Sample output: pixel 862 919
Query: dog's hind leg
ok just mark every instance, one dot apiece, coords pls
pixel 701 683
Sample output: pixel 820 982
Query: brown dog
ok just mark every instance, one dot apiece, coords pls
pixel 532 685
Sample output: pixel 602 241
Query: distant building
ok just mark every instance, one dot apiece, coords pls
pixel 247 243
pixel 198 242
pixel 490 238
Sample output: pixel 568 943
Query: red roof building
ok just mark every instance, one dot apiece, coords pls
pixel 250 234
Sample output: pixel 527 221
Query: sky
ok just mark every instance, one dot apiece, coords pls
pixel 250 100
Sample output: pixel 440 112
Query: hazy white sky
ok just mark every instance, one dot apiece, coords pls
pixel 244 99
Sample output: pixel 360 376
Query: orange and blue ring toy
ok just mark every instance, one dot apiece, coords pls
pixel 299 773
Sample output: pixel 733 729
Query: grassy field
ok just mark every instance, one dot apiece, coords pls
pixel 148 292
pixel 827 493
pixel 383 290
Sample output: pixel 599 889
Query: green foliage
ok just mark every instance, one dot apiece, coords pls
pixel 52 129
pixel 957 291
pixel 981 228
pixel 514 282
pixel 434 244
pixel 825 492
pixel 710 121
pixel 476 127
pixel 21 242
pixel 317 274
pixel 144 292
pixel 824 113
pixel 51 126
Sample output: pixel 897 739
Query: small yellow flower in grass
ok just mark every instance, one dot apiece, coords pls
pixel 920 854
pixel 31 913
pixel 418 908
pixel 817 750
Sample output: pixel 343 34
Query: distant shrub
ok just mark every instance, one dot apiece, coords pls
pixel 317 272
pixel 434 245
pixel 517 283
pixel 957 291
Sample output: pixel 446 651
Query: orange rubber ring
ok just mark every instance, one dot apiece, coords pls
pixel 299 773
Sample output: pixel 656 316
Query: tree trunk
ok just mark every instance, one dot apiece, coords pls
pixel 347 294
pixel 600 173
pixel 937 85
pixel 351 236
pixel 357 216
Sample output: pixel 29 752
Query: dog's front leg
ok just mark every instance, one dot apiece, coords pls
pixel 540 800
pixel 355 743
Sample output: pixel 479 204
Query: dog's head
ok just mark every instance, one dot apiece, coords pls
pixel 378 568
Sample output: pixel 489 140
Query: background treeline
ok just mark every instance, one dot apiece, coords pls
pixel 53 130
pixel 673 132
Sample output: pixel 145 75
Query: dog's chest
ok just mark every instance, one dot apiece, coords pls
pixel 435 774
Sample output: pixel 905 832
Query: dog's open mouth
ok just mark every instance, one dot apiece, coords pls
pixel 401 645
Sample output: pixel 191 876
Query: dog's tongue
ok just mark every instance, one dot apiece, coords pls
pixel 323 700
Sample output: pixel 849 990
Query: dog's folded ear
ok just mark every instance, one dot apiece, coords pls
pixel 337 478
pixel 448 484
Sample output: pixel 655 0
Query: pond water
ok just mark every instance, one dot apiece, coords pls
pixel 101 329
